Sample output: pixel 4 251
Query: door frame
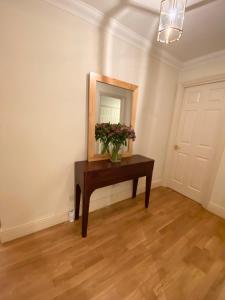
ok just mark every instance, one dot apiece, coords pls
pixel 174 128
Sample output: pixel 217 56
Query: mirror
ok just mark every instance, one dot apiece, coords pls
pixel 113 101
pixel 113 104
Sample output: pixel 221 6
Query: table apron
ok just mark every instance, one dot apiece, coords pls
pixel 113 176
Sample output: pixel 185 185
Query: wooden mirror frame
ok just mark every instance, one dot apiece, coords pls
pixel 93 79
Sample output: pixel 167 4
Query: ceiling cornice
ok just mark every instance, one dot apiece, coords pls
pixel 203 59
pixel 80 9
pixel 96 18
pixel 166 57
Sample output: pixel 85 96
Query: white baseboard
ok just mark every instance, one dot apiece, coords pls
pixel 15 232
pixel 156 183
pixel 216 209
pixel 118 193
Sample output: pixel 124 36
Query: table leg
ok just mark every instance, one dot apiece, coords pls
pixel 85 212
pixel 77 201
pixel 135 183
pixel 147 190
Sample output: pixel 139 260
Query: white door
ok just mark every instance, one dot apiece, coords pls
pixel 198 135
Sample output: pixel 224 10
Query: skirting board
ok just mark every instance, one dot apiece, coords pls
pixel 9 234
pixel 216 209
pixel 15 232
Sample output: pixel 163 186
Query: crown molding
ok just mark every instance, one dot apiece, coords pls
pixel 80 9
pixel 128 35
pixel 166 58
pixel 203 59
pixel 97 18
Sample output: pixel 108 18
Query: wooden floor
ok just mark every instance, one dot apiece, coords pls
pixel 174 250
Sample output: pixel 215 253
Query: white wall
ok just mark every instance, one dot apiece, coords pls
pixel 217 201
pixel 156 113
pixel 45 57
pixel 197 69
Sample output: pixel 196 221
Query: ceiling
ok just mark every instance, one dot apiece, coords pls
pixel 204 25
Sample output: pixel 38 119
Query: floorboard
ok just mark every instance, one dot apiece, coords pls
pixel 175 250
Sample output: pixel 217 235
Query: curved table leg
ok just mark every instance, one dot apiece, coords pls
pixel 85 212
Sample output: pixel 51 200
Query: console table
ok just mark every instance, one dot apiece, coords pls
pixel 93 175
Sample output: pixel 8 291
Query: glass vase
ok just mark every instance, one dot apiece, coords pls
pixel 115 155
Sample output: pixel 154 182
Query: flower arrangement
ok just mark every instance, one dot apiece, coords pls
pixel 113 137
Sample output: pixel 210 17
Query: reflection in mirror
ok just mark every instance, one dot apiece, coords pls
pixel 110 109
pixel 113 104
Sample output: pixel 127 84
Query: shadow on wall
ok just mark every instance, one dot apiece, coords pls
pixel 108 23
pixel 149 75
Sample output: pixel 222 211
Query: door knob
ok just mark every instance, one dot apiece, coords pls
pixel 176 147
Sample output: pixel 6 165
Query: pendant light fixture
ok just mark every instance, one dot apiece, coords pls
pixel 171 20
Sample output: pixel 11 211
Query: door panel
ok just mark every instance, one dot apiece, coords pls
pixel 198 134
pixel 180 165
pixel 207 133
pixel 189 119
pixel 196 178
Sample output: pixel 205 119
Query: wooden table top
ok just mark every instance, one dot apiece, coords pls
pixel 107 164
